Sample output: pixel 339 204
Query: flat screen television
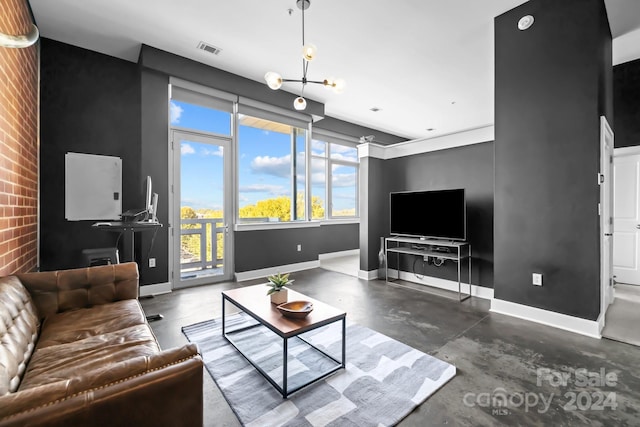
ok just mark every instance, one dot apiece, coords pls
pixel 437 214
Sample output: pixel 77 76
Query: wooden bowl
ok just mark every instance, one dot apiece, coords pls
pixel 296 309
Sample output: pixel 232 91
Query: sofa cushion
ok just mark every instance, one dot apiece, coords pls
pixel 75 325
pixel 18 332
pixel 81 341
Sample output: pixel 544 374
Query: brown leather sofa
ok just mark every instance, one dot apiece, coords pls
pixel 77 350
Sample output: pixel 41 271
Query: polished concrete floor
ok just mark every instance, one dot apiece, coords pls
pixel 510 372
pixel 623 315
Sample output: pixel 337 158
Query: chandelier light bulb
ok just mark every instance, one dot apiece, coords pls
pixel 274 80
pixel 329 83
pixel 309 52
pixel 300 103
pixel 339 85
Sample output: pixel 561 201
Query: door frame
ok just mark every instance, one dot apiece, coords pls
pixel 621 153
pixel 175 134
pixel 605 179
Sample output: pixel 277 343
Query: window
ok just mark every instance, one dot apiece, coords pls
pixel 335 167
pixel 190 116
pixel 197 111
pixel 281 175
pixel 271 170
pixel 318 179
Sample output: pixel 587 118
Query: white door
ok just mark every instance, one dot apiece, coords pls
pixel 626 247
pixel 606 221
pixel 202 240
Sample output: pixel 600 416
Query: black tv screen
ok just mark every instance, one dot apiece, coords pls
pixel 439 214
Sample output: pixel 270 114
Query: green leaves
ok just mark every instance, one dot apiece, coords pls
pixel 277 282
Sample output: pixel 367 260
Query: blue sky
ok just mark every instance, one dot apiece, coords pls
pixel 264 168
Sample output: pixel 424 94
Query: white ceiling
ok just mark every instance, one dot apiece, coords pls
pixel 424 63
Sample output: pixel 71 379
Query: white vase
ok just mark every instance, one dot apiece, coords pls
pixel 280 296
pixel 381 254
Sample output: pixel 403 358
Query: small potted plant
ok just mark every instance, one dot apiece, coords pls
pixel 277 290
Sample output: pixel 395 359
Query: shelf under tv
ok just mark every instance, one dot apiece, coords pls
pixel 443 249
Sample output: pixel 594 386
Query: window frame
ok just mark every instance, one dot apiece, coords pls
pixel 241 105
pixel 330 138
pixel 274 114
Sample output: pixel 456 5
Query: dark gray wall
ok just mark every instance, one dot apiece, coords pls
pixel 89 103
pixel 177 66
pixel 270 248
pixel 550 91
pixel 154 129
pixel 96 104
pixel 626 98
pixel 469 167
pixel 253 249
pixel 374 217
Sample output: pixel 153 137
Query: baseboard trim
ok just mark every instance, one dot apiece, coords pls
pixel 330 255
pixel 577 325
pixel 449 285
pixel 368 275
pixel 264 272
pixel 434 282
pixel 155 289
pixel 601 323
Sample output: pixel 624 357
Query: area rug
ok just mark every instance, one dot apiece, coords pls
pixel 383 382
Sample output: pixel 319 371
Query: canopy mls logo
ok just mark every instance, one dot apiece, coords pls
pixel 581 378
pixel 581 397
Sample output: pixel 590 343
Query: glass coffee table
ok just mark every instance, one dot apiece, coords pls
pixel 253 301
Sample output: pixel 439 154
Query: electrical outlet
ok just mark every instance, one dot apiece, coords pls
pixel 537 279
pixel 299 248
pixel 152 262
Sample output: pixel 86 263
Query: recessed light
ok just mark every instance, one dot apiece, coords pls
pixel 430 129
pixel 375 109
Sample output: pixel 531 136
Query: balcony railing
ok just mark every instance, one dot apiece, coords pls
pixel 205 253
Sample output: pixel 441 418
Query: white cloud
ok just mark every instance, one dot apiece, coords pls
pixel 276 166
pixel 318 178
pixel 186 149
pixel 216 152
pixel 276 190
pixel 175 112
pixel 344 179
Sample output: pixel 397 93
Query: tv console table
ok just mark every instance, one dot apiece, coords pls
pixel 439 249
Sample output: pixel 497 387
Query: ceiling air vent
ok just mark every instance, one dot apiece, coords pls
pixel 209 48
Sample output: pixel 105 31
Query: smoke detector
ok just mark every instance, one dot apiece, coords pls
pixel 525 22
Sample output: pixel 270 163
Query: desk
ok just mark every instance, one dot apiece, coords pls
pixel 128 229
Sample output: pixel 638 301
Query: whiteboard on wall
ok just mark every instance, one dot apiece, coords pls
pixel 93 187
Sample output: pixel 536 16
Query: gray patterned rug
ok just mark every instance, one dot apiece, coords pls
pixel 383 382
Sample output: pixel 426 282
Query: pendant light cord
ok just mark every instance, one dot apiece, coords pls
pixel 305 64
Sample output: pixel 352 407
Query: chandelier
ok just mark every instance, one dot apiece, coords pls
pixel 309 51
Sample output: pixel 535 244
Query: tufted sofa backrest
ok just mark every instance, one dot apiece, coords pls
pixel 19 326
pixel 62 290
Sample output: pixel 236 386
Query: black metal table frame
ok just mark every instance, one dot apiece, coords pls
pixel 285 338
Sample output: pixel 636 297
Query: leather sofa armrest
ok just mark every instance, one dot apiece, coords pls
pixel 164 389
pixel 57 291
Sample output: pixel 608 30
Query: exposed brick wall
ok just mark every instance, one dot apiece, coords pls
pixel 18 144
